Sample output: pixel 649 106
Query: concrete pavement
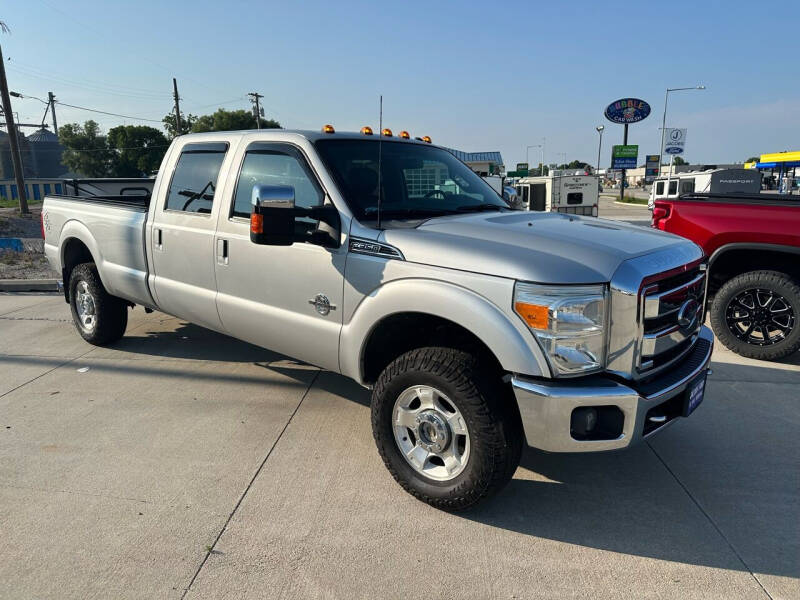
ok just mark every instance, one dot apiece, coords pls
pixel 609 208
pixel 182 463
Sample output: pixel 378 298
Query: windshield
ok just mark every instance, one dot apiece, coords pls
pixel 418 181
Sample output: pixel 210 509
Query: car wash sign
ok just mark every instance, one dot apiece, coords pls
pixel 627 110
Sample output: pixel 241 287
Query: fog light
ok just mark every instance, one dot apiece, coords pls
pixel 584 420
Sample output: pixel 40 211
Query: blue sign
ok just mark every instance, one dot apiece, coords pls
pixel 623 163
pixel 673 150
pixel 627 110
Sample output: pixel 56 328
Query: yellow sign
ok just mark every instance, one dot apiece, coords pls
pixel 778 157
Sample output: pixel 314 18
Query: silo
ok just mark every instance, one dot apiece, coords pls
pixel 46 151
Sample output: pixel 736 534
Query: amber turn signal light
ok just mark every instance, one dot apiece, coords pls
pixel 256 223
pixel 533 314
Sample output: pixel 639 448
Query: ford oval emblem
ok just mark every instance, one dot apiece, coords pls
pixel 687 315
pixel 627 110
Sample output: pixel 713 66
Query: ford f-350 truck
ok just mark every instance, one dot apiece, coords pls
pixel 387 260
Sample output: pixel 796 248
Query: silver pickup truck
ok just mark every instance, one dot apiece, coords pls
pixel 387 260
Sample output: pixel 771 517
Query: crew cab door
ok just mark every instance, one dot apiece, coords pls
pixel 270 295
pixel 182 240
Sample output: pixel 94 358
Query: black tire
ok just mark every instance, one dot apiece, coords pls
pixel 724 317
pixel 488 407
pixel 110 316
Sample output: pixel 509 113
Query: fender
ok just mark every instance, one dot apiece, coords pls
pixel 77 230
pixel 131 282
pixel 513 346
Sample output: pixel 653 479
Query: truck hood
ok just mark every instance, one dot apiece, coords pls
pixel 530 246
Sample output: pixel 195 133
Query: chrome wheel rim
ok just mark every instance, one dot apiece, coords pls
pixel 760 317
pixel 85 306
pixel 431 433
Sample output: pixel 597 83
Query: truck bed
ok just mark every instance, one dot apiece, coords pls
pixel 111 229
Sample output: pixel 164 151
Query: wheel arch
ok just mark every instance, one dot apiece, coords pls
pixel 438 313
pixel 77 246
pixel 731 260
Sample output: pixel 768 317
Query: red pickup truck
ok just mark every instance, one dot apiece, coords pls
pixel 753 245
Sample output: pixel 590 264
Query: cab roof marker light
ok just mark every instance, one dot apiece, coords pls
pixel 426 138
pixel 328 129
pixel 366 130
pixel 405 135
pixel 386 132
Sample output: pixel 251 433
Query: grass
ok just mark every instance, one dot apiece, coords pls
pixel 6 203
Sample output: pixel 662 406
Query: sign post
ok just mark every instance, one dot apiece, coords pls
pixel 626 111
pixel 674 144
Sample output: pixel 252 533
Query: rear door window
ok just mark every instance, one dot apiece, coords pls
pixel 194 182
pixel 673 187
pixel 660 188
pixel 687 186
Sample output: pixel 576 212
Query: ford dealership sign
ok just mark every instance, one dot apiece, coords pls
pixel 627 110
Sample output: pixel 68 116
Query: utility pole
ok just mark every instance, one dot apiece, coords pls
pixel 16 158
pixel 178 127
pixel 51 98
pixel 254 98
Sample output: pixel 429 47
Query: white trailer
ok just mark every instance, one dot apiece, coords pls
pixel 575 194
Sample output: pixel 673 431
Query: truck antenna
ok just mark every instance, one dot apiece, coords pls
pixel 380 146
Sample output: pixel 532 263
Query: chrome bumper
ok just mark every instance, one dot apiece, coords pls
pixel 546 406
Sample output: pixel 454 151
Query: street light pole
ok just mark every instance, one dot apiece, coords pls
pixel 599 129
pixel 664 118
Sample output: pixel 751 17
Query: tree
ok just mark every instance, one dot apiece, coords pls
pixel 172 129
pixel 575 165
pixel 231 120
pixel 677 161
pixel 85 149
pixel 136 150
pixel 754 159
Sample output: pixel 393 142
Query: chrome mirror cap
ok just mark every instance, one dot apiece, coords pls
pixel 273 196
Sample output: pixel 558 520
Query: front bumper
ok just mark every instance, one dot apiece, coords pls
pixel 546 407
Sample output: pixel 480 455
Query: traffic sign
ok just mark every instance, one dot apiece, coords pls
pixel 674 141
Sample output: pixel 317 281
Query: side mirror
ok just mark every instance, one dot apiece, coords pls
pixel 272 216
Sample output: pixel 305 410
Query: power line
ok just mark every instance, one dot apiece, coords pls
pixel 102 84
pixel 92 88
pixel 103 112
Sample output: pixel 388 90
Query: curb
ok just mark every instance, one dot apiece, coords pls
pixel 30 285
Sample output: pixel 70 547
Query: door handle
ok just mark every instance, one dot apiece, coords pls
pixel 222 251
pixel 159 240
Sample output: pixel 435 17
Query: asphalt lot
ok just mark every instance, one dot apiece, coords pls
pixel 180 459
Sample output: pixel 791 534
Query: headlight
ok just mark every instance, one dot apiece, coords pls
pixel 568 321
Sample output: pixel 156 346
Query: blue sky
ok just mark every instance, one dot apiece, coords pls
pixel 473 75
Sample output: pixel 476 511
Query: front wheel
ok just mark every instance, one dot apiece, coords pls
pixel 756 315
pixel 447 430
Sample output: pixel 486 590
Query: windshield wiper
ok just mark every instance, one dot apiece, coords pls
pixel 480 207
pixel 192 195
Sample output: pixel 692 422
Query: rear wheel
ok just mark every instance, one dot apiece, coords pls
pixel 99 317
pixel 447 430
pixel 756 315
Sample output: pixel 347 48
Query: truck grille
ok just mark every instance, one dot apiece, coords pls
pixel 672 307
